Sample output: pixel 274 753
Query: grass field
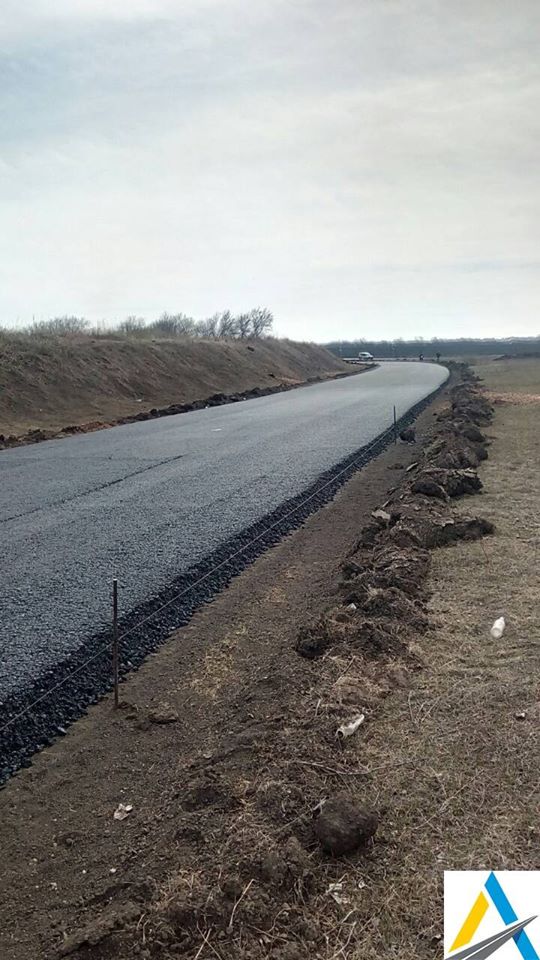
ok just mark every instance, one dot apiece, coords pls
pixel 517 376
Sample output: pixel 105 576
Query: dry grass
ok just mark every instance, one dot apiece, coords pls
pixel 460 780
pixel 520 398
pixel 51 383
pixel 515 376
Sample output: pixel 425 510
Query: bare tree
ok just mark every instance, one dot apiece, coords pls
pixel 243 325
pixel 208 328
pixel 173 325
pixel 220 326
pixel 132 326
pixel 227 325
pixel 262 321
pixel 59 326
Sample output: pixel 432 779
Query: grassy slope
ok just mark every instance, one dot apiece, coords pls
pixel 52 383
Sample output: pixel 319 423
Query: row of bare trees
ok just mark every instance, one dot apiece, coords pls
pixel 221 326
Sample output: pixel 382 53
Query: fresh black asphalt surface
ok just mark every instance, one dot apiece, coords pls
pixel 146 501
pixel 174 508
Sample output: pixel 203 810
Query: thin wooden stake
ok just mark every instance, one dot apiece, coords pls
pixel 115 642
pixel 395 426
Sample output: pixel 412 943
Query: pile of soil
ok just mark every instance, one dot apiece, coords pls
pixel 383 588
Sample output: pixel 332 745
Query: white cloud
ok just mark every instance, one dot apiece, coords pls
pixel 358 167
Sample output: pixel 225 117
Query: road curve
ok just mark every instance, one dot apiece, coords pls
pixel 146 501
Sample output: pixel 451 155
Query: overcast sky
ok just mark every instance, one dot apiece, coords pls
pixel 361 167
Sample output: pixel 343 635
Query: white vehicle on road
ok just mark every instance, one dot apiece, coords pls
pixel 365 355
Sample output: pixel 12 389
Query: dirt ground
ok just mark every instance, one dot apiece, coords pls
pixel 48 384
pixel 227 746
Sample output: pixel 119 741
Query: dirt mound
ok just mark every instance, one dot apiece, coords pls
pixel 469 406
pixel 344 825
pixel 383 584
pixel 430 527
pixel 406 569
pixel 374 634
pixel 456 453
pixel 252 882
pixel 471 432
pixel 392 603
pixel 441 483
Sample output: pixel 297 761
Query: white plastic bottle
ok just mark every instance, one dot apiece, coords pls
pixel 497 629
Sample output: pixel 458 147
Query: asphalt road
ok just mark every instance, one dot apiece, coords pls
pixel 146 501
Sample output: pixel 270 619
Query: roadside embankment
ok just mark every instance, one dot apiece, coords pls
pixel 61 385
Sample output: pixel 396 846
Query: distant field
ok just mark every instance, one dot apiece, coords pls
pixel 514 376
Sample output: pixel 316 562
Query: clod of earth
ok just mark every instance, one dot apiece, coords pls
pixel 287 865
pixel 424 522
pixel 163 714
pixel 370 534
pixel 440 483
pixel 477 410
pixel 395 604
pixel 101 928
pixel 439 533
pixel 457 483
pixel 358 588
pixel 471 432
pixel 428 487
pixel 313 640
pixel 344 825
pixel 455 454
pixel 408 435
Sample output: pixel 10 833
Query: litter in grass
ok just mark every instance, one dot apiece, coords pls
pixel 347 729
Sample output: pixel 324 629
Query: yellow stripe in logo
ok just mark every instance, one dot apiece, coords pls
pixel 472 922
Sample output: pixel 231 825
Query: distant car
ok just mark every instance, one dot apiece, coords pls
pixel 365 355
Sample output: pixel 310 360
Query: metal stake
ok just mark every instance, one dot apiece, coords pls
pixel 115 641
pixel 395 426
